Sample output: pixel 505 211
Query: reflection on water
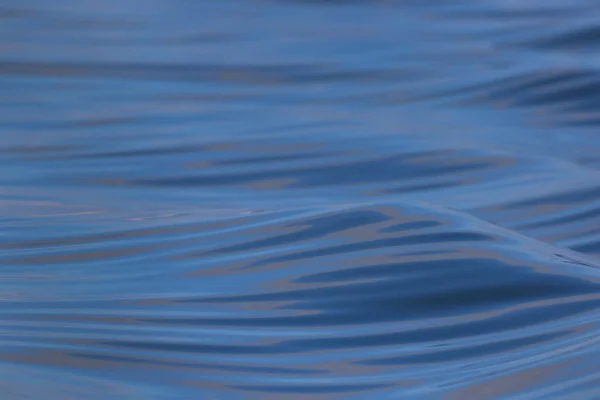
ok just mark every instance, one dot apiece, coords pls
pixel 299 199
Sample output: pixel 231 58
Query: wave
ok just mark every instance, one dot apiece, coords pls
pixel 334 199
pixel 344 300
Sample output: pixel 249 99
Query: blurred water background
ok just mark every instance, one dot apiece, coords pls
pixel 268 199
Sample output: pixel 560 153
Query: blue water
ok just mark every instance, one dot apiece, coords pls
pixel 269 199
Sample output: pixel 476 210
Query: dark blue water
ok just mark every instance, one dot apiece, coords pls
pixel 268 199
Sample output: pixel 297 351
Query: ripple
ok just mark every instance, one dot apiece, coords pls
pixel 344 291
pixel 165 72
pixel 299 199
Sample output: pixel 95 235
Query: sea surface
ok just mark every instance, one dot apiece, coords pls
pixel 278 199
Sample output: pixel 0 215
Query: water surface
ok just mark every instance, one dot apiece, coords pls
pixel 299 199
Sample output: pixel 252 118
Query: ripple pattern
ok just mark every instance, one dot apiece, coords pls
pixel 299 199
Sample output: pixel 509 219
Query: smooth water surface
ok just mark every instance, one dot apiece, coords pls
pixel 277 199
